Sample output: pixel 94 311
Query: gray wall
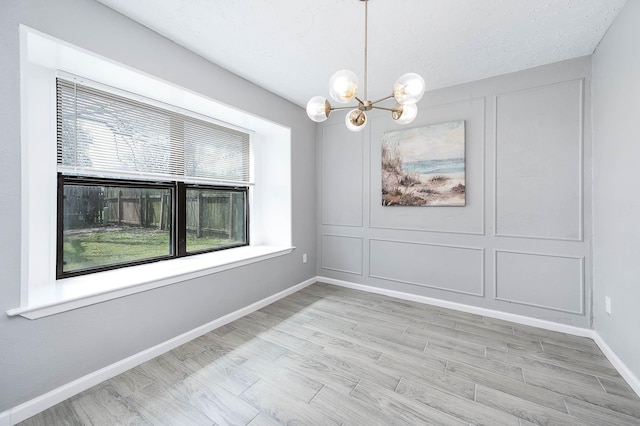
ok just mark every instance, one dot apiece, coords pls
pixel 521 243
pixel 40 355
pixel 616 227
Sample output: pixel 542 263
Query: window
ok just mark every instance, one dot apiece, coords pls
pixel 139 183
pixel 44 59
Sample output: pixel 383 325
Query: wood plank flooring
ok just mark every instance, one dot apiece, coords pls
pixel 332 356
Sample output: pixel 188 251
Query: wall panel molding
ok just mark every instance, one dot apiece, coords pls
pixel 342 253
pixel 342 183
pixel 526 214
pixel 438 256
pixel 400 228
pixel 552 271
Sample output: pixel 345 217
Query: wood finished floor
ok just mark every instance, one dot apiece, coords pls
pixel 332 356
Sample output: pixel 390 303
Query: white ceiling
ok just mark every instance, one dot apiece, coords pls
pixel 292 47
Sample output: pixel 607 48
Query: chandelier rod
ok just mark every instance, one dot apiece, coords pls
pixel 386 109
pixel 366 20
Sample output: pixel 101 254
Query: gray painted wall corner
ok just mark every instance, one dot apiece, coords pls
pixel 616 247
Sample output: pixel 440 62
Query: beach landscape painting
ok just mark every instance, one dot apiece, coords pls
pixel 424 166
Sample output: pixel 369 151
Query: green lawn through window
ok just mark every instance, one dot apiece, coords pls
pixel 103 247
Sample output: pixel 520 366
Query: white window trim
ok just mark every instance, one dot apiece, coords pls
pixel 270 196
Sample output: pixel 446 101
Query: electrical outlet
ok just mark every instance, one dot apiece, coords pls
pixel 304 258
pixel 607 304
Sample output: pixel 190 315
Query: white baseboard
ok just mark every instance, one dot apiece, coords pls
pixel 624 371
pixel 519 319
pixel 49 399
pixel 622 368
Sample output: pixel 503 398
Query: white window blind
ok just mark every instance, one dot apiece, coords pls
pixel 104 134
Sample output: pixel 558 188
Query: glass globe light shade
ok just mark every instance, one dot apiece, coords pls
pixel 355 120
pixel 404 114
pixel 409 89
pixel 318 109
pixel 343 86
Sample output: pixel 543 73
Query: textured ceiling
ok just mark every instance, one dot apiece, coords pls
pixel 292 47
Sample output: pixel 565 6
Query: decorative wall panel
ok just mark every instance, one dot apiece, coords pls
pixel 546 281
pixel 341 176
pixel 342 254
pixel 451 268
pixel 539 162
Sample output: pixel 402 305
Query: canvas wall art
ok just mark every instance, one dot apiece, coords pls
pixel 424 166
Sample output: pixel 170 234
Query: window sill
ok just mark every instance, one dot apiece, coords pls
pixel 76 292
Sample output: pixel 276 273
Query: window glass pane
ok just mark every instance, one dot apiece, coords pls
pixel 215 219
pixel 107 225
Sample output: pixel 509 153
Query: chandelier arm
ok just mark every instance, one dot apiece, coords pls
pixel 385 108
pixel 344 107
pixel 382 99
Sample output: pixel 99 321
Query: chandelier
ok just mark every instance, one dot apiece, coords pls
pixel 343 88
